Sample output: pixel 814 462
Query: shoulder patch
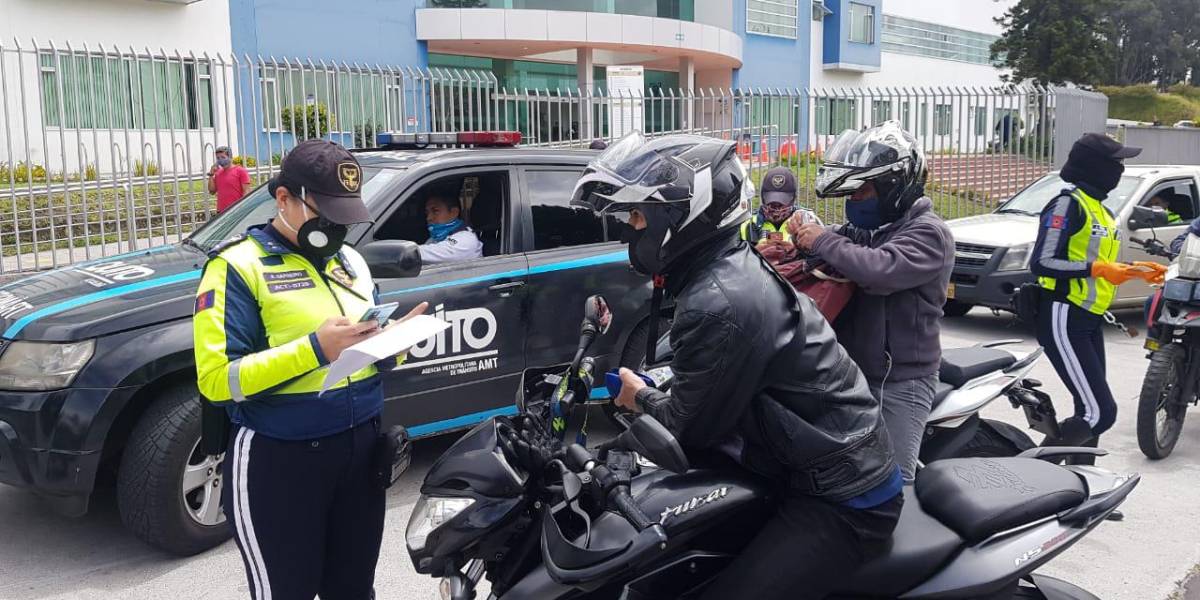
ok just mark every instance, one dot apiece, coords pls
pixel 227 244
pixel 205 301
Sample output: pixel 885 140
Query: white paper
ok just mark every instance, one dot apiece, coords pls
pixel 386 344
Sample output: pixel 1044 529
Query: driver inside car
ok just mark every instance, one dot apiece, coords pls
pixel 759 375
pixel 450 240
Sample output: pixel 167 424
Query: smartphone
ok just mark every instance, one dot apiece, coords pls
pixel 380 313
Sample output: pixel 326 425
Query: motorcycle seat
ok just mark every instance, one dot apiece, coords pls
pixel 919 547
pixel 978 497
pixel 960 365
pixel 941 391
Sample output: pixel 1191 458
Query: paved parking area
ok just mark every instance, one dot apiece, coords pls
pixel 45 557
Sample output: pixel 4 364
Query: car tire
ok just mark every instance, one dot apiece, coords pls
pixel 633 355
pixel 162 453
pixel 954 308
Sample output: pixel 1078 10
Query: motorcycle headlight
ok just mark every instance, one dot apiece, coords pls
pixel 1016 258
pixel 43 366
pixel 428 514
pixel 1189 258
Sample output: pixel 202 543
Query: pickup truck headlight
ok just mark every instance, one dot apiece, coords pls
pixel 428 514
pixel 1016 258
pixel 43 366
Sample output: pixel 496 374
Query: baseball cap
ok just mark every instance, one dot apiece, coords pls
pixel 330 176
pixel 779 186
pixel 1106 146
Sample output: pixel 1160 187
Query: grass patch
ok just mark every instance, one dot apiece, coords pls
pixel 1146 104
pixel 73 218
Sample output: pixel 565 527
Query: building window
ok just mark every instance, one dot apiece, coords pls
pixel 943 118
pixel 881 110
pixel 86 91
pixel 924 117
pixel 835 115
pixel 980 121
pixel 921 38
pixel 862 23
pixel 270 103
pixel 773 17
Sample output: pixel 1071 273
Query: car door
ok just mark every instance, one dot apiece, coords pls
pixel 470 371
pixel 573 254
pixel 1184 201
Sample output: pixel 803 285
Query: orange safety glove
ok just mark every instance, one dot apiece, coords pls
pixel 1114 272
pixel 1153 273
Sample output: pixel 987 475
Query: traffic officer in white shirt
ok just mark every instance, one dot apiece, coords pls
pixel 450 240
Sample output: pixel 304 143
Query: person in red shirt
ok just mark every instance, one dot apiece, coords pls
pixel 228 181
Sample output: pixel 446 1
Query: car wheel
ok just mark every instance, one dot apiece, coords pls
pixel 954 308
pixel 168 489
pixel 634 354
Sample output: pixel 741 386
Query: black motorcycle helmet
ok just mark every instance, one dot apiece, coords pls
pixel 887 156
pixel 690 188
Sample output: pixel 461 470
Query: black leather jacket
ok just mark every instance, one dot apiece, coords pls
pixel 760 375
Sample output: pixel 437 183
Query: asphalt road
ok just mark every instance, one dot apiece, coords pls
pixel 44 557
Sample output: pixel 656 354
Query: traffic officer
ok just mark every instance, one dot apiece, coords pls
pixel 1075 259
pixel 275 306
pixel 778 198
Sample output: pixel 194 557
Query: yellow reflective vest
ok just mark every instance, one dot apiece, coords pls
pixel 257 311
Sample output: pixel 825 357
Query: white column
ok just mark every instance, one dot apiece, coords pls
pixel 687 85
pixel 584 68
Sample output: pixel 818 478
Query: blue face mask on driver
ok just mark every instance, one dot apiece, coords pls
pixel 439 232
pixel 864 214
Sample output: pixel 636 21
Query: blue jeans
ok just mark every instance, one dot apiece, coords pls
pixel 906 406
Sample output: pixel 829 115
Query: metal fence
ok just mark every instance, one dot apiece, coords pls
pixel 105 149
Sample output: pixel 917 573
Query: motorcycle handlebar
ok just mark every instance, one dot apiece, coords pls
pixel 620 498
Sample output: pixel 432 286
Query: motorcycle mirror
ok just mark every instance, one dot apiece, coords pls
pixel 597 314
pixel 648 437
pixel 1147 217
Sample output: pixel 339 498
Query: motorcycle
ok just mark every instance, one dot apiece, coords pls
pixel 632 518
pixel 1173 343
pixel 969 379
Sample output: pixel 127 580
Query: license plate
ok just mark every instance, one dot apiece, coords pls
pixel 950 291
pixel 1151 344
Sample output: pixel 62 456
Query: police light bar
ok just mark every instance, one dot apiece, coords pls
pixel 461 138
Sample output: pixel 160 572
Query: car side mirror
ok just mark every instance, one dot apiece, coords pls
pixel 1147 217
pixel 389 259
pixel 648 437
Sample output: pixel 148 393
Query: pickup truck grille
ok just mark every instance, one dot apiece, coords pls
pixel 972 255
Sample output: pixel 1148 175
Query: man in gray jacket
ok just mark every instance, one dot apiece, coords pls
pixel 900 255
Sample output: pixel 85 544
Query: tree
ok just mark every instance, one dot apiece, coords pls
pixel 1054 41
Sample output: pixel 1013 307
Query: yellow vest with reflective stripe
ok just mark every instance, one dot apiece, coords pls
pixel 1098 240
pixel 767 227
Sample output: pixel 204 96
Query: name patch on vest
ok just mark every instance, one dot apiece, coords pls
pixel 289 286
pixel 285 275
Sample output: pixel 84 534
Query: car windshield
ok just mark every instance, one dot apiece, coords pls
pixel 1034 198
pixel 259 206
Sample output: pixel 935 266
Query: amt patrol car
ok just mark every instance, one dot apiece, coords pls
pixel 96 369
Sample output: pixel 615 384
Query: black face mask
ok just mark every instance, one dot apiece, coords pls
pixel 317 237
pixel 645 246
